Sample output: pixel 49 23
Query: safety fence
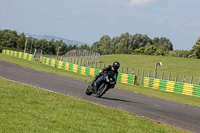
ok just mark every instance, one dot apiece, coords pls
pixel 17 54
pixel 88 55
pixel 172 86
pixel 123 78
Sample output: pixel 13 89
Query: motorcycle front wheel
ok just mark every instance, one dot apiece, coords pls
pixel 102 90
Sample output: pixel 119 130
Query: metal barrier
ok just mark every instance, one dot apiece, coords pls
pixel 17 54
pixel 172 86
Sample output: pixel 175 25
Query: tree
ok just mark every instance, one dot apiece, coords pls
pixel 113 45
pixel 8 39
pixel 139 51
pixel 43 45
pixel 21 41
pixel 159 52
pixel 63 47
pixel 196 49
pixel 180 53
pixel 96 47
pixel 150 50
pixel 130 49
pixel 122 49
pixel 69 48
pixel 140 40
pixel 105 42
pixel 163 43
pixel 167 43
pixel 129 43
pixel 52 47
pixel 84 47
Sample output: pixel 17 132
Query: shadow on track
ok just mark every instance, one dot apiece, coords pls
pixel 115 99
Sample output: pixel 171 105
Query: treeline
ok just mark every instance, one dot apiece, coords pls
pixel 143 45
pixel 11 40
pixel 123 44
pixel 132 44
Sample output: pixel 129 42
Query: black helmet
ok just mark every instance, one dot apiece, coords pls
pixel 116 65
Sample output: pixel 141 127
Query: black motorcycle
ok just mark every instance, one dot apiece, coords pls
pixel 102 84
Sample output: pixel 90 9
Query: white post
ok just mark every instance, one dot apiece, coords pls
pixel 35 52
pixel 25 46
pixel 31 46
pixel 155 71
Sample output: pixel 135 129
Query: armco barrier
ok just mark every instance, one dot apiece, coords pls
pixel 123 78
pixel 17 54
pixel 171 86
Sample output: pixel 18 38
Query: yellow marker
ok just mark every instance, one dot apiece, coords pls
pixel 170 86
pixel 60 63
pixel 156 83
pixel 25 55
pixel 75 68
pixel 15 54
pixel 53 62
pixel 47 62
pixel 66 66
pixel 124 78
pixel 92 71
pixel 83 70
pixel 20 54
pixel 188 89
pixel 11 53
pixel 30 57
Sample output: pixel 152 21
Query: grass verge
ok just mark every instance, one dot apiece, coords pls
pixel 179 98
pixel 28 109
pixel 177 68
pixel 181 66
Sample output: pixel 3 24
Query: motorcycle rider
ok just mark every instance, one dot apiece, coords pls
pixel 105 70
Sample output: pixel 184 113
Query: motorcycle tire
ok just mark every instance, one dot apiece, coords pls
pixel 102 90
pixel 88 91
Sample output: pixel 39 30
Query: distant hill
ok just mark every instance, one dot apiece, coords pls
pixel 49 38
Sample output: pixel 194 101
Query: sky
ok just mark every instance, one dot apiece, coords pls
pixel 88 20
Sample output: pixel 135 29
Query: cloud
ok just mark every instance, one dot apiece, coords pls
pixel 139 2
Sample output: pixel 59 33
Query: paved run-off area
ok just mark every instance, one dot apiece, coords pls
pixel 174 114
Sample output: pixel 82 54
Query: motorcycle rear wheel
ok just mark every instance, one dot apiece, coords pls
pixel 88 91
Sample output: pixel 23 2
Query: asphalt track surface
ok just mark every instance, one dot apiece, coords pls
pixel 170 113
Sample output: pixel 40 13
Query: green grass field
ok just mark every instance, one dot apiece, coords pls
pixel 28 109
pixel 179 98
pixel 183 66
pixel 173 65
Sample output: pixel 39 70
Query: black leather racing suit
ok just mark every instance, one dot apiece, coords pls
pixel 104 71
